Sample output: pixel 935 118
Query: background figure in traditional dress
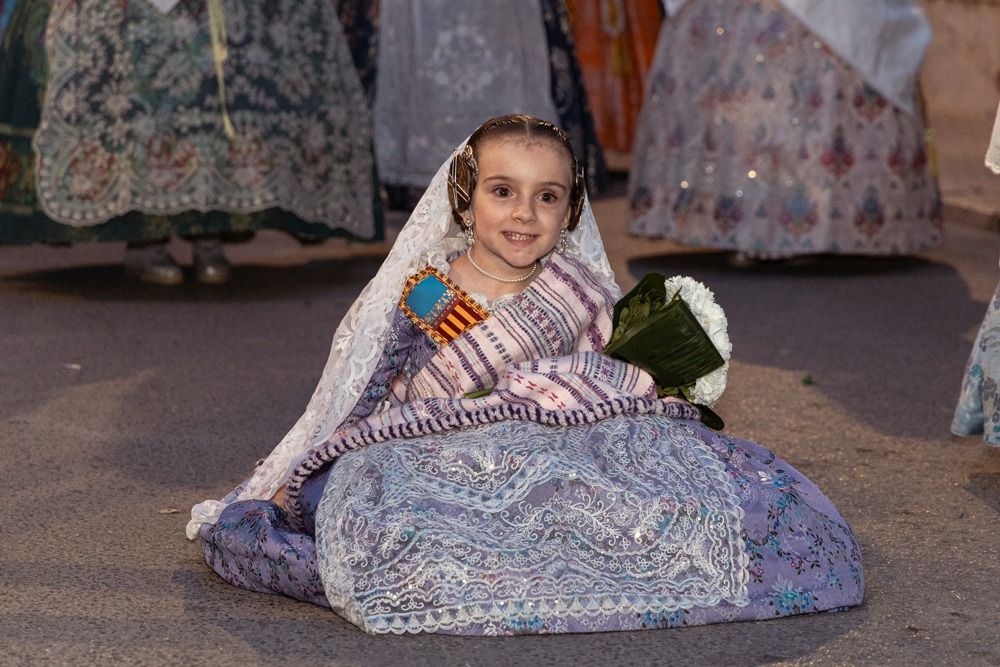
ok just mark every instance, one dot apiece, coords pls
pixel 978 410
pixel 443 66
pixel 778 128
pixel 615 41
pixel 131 145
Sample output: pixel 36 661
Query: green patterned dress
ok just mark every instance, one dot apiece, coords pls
pixel 180 40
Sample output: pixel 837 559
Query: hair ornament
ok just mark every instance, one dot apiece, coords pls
pixel 470 157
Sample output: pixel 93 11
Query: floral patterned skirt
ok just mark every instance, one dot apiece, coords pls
pixel 978 409
pixel 755 137
pixel 518 528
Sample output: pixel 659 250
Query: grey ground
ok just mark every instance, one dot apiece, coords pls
pixel 121 402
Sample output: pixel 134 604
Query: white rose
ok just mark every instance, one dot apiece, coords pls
pixel 708 388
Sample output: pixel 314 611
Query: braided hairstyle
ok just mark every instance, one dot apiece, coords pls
pixel 464 170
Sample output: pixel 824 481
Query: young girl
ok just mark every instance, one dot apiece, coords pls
pixel 472 464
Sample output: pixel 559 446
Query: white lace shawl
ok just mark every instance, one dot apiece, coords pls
pixel 360 338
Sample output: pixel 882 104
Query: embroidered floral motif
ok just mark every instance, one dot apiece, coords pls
pixel 788 599
pixel 776 39
pixel 838 158
pixel 870 217
pixel 869 103
pixel 798 214
pixel 472 67
pixel 920 160
pixel 588 523
pixel 728 213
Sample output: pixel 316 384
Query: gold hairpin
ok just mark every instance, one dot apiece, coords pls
pixel 471 157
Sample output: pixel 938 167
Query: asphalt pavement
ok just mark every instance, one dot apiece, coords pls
pixel 122 404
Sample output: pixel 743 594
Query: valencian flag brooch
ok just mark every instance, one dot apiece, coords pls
pixel 439 306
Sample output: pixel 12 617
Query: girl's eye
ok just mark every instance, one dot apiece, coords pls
pixel 501 191
pixel 549 198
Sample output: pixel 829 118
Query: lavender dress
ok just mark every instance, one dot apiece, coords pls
pixel 626 521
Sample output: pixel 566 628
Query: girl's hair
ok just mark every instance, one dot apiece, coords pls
pixel 464 170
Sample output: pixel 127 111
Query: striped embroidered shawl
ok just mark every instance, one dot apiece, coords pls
pixel 564 310
pixel 541 356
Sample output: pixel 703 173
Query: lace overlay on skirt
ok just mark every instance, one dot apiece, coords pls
pixel 499 524
pixel 132 119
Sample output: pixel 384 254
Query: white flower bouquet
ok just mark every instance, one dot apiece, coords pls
pixel 673 329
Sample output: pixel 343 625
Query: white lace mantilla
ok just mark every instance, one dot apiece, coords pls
pixel 361 336
pixel 132 121
pixel 517 523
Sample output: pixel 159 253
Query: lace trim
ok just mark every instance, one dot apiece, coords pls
pixel 479 547
pixel 529 610
pixel 327 453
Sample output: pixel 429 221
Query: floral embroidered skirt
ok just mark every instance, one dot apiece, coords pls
pixel 23 75
pixel 755 137
pixel 978 410
pixel 632 522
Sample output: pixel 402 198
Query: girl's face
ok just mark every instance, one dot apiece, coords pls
pixel 521 202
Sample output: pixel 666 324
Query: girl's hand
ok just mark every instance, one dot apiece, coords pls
pixel 279 497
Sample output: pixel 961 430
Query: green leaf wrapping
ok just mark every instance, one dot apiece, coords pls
pixel 668 343
pixel 664 339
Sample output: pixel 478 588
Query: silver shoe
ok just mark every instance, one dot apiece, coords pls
pixel 741 260
pixel 210 263
pixel 152 264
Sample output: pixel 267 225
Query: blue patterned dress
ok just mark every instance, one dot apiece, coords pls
pixel 978 410
pixel 628 520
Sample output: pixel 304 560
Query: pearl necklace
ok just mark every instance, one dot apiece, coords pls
pixel 500 279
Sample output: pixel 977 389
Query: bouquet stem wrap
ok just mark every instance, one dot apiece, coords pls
pixel 660 334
